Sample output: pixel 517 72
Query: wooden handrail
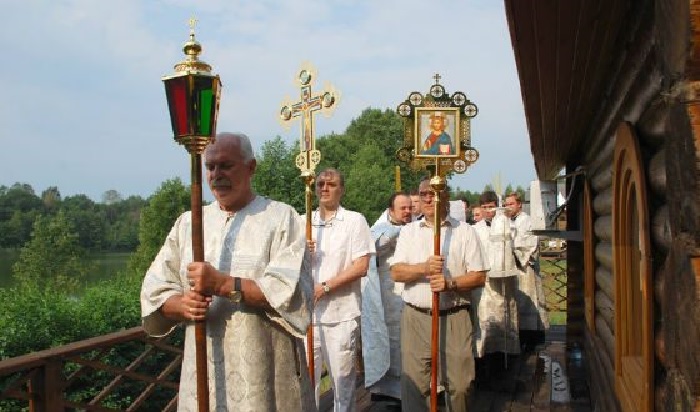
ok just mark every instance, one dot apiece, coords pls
pixel 40 380
pixel 35 359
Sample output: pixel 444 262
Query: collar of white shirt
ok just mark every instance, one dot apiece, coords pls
pixel 449 221
pixel 339 215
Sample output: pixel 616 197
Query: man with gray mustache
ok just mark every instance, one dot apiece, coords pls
pixel 254 290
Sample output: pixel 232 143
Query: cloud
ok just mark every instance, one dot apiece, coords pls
pixel 85 106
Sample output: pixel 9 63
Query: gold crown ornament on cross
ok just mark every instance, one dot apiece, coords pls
pixel 325 102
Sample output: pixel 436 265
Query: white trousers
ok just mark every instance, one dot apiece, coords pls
pixel 335 346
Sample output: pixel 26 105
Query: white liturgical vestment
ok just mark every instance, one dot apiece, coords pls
pixel 496 329
pixel 381 315
pixel 256 358
pixel 531 299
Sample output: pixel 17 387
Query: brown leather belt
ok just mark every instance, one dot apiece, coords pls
pixel 443 312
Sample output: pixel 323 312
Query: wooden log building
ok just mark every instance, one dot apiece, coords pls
pixel 611 90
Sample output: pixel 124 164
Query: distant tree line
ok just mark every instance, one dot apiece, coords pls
pixel 111 225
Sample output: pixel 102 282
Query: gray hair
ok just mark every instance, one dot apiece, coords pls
pixel 243 143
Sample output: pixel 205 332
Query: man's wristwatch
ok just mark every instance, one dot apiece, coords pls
pixel 236 296
pixel 326 288
pixel 451 284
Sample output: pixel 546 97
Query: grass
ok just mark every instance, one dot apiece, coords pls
pixel 554 285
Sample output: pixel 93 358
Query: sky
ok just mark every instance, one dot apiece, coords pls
pixel 83 106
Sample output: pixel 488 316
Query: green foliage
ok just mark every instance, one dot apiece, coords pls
pixel 35 318
pixel 369 184
pixel 110 226
pixel 53 258
pixel 51 198
pixel 88 220
pixel 472 197
pixel 46 307
pixel 157 218
pixel 277 176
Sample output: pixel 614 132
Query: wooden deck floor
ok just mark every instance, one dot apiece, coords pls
pixel 547 379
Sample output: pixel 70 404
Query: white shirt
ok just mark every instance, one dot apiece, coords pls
pixel 339 241
pixel 459 243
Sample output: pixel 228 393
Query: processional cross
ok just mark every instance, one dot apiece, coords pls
pixel 447 117
pixel 308 157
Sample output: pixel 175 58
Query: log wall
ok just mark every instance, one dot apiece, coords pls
pixel 636 95
pixel 648 90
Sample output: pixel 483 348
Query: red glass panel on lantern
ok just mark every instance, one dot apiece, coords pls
pixel 177 100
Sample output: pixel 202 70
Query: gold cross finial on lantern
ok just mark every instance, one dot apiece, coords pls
pixel 193 23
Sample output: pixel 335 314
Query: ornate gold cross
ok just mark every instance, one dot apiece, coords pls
pixel 305 108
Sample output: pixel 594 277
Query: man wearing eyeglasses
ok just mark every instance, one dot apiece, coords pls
pixel 341 248
pixel 454 273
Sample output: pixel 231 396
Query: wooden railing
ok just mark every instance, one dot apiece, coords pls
pixel 121 371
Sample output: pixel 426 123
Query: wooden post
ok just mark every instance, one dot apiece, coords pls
pixel 397 178
pixel 200 327
pixel 46 388
pixel 308 181
pixel 437 183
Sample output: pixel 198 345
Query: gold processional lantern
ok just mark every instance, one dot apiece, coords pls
pixel 193 95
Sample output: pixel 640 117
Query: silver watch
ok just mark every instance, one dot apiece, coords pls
pixel 326 288
pixel 236 296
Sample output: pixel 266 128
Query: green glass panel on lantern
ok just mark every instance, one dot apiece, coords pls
pixel 205 105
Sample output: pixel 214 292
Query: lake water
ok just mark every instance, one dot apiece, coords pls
pixel 108 264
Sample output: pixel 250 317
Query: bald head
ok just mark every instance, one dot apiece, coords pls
pixel 231 140
pixel 230 166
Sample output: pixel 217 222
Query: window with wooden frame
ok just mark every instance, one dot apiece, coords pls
pixel 634 350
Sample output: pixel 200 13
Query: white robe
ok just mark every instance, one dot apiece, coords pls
pixel 531 299
pixel 256 358
pixel 497 329
pixel 381 316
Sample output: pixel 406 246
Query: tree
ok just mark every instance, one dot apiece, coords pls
pixel 87 218
pixel 53 258
pixel 111 196
pixel 368 186
pixel 19 206
pixel 51 198
pixel 366 155
pixel 168 202
pixel 277 176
